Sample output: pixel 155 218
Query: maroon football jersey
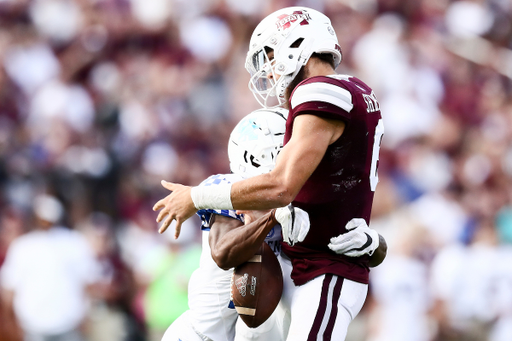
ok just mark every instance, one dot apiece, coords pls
pixel 342 186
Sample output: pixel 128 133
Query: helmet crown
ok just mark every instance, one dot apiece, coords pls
pixel 256 141
pixel 293 34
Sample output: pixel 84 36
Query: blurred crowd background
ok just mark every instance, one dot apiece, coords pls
pixel 101 99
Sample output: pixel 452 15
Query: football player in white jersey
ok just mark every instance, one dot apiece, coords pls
pixel 328 167
pixel 253 147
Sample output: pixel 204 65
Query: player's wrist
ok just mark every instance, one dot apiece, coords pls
pixel 212 197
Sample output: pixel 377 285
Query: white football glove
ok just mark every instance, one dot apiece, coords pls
pixel 294 223
pixel 358 241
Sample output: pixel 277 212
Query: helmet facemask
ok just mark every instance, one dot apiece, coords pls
pixel 263 77
pixel 270 76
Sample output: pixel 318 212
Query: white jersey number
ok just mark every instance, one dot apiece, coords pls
pixel 374 177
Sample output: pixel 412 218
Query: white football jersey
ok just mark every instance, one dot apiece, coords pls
pixel 212 314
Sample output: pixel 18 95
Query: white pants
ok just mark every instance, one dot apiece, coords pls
pixel 275 328
pixel 181 330
pixel 271 330
pixel 318 310
pixel 322 308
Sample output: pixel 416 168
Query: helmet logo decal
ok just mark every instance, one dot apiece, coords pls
pixel 247 130
pixel 286 20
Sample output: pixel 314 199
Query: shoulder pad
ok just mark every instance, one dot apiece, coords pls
pixel 322 91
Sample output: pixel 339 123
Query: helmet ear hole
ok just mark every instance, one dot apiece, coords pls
pixel 254 163
pixel 297 43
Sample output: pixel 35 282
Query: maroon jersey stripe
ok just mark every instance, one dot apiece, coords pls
pixel 317 323
pixel 334 312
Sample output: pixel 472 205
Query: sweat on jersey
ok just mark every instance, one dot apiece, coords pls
pixel 342 186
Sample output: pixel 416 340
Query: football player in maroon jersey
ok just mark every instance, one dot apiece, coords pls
pixel 328 168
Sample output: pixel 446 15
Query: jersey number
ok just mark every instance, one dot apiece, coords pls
pixel 374 178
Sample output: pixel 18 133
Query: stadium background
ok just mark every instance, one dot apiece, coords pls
pixel 101 99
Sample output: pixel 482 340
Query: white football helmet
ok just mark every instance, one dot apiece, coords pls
pixel 294 34
pixel 256 141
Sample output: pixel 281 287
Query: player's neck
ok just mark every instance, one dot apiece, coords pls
pixel 316 67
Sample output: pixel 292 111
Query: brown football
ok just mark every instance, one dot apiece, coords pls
pixel 256 287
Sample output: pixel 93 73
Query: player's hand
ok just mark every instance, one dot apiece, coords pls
pixel 176 206
pixel 358 241
pixel 294 223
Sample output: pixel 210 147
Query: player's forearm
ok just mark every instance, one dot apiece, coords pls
pixel 259 193
pixel 380 253
pixel 262 192
pixel 240 244
pixel 295 164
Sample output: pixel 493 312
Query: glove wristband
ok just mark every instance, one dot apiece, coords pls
pixel 282 213
pixel 213 197
pixel 375 242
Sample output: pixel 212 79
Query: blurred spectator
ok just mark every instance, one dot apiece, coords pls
pixel 400 290
pixel 502 327
pixel 12 226
pixel 46 276
pixel 102 99
pixel 111 316
pixel 464 279
pixel 163 271
pixel 166 296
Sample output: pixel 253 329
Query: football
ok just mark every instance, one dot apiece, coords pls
pixel 256 287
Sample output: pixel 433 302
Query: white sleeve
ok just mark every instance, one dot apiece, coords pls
pixel 322 92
